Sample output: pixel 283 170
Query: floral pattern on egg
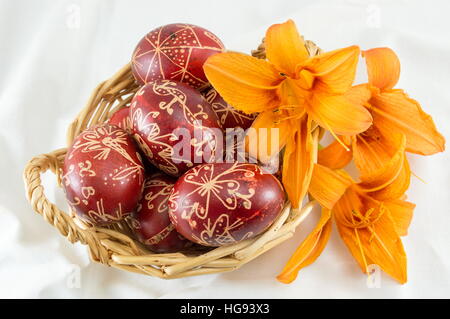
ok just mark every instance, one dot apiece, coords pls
pixel 167 116
pixel 229 117
pixel 151 222
pixel 222 203
pixel 103 175
pixel 175 52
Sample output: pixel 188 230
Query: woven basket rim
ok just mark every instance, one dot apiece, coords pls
pixel 114 245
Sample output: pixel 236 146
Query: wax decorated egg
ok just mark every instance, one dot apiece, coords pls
pixel 121 118
pixel 103 175
pixel 175 127
pixel 228 116
pixel 222 203
pixel 175 52
pixel 151 222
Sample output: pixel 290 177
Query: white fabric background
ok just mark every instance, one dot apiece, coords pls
pixel 53 53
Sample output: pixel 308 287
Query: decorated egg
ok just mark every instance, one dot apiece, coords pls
pixel 222 203
pixel 228 116
pixel 121 118
pixel 103 175
pixel 175 52
pixel 175 127
pixel 151 221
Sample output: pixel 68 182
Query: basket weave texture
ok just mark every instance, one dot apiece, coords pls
pixel 115 245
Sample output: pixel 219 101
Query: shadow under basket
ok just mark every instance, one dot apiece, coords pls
pixel 115 245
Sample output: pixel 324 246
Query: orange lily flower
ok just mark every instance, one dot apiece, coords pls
pixel 327 187
pixel 394 114
pixel 370 216
pixel 290 90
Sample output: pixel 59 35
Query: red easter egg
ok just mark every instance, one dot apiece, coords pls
pixel 175 52
pixel 121 118
pixel 103 174
pixel 228 116
pixel 175 127
pixel 151 222
pixel 222 203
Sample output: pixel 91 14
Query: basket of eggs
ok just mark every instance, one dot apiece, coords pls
pixel 156 186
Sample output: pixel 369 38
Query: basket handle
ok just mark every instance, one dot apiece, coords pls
pixel 51 213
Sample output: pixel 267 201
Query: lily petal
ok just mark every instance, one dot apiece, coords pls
pixel 327 186
pixel 268 135
pixel 338 115
pixel 298 163
pixel 309 250
pixel 397 187
pixel 383 67
pixel 394 110
pixel 292 96
pixel 359 94
pixel 373 150
pixel 374 241
pixel 401 213
pixel 334 71
pixel 247 83
pixel 284 47
pixel 334 156
pixel 389 181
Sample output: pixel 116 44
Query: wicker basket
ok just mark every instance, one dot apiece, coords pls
pixel 114 245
